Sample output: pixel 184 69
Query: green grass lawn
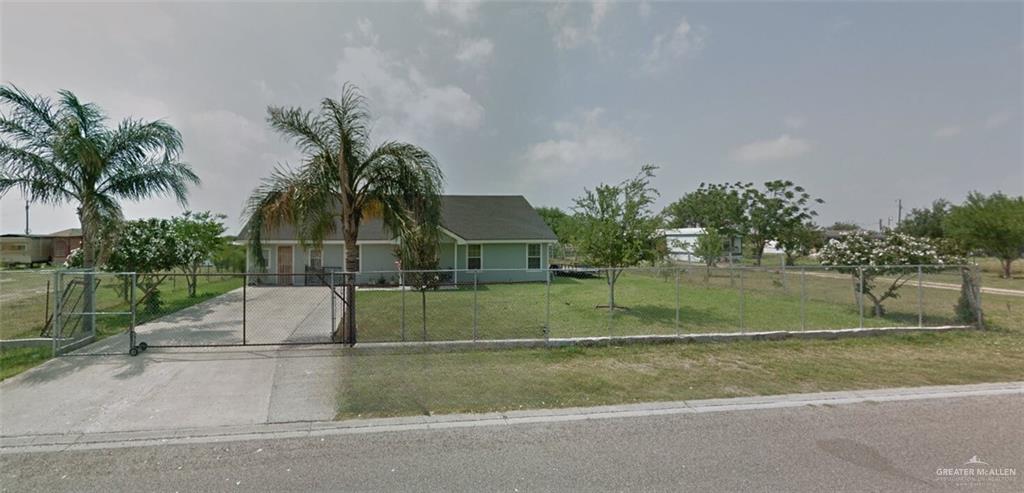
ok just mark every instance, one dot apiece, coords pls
pixel 647 305
pixel 484 381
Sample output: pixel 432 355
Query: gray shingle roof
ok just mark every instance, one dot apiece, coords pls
pixel 471 217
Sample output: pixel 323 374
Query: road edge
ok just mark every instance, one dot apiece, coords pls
pixel 313 429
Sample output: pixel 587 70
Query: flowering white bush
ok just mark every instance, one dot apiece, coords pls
pixel 74 259
pixel 862 253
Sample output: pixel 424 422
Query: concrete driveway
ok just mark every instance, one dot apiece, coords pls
pixel 171 389
pixel 101 388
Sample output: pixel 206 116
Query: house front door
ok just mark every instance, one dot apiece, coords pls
pixel 284 265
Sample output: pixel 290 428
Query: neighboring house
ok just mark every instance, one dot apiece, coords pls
pixel 493 238
pixel 64 241
pixel 681 243
pixel 24 249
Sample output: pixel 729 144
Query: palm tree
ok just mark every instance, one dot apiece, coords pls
pixel 65 153
pixel 343 177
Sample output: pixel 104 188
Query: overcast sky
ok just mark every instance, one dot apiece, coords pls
pixel 861 104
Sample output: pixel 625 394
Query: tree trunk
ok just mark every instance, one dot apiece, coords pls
pixel 610 277
pixel 88 278
pixel 1007 262
pixel 347 332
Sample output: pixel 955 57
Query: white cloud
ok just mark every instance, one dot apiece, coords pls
pixel 462 10
pixel 475 51
pixel 571 33
pixel 784 147
pixel 948 132
pixel 683 41
pixel 997 120
pixel 794 122
pixel 584 140
pixel 407 104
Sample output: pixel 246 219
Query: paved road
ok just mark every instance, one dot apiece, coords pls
pixel 887 446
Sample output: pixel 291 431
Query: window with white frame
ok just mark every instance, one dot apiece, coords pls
pixel 316 258
pixel 474 257
pixel 533 256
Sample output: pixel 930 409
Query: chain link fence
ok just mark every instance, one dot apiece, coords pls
pixel 216 309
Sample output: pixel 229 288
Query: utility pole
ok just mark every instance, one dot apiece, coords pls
pixel 27 231
pixel 899 212
pixel 880 230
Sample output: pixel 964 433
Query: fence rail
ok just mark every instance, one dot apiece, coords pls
pixel 214 308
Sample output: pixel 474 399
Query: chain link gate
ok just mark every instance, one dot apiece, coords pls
pixel 254 309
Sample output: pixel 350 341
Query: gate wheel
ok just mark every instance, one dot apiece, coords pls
pixel 143 346
pixel 134 351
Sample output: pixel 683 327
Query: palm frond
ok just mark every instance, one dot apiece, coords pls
pixel 34 113
pixel 397 174
pixel 153 177
pixel 349 121
pixel 303 128
pixel 269 206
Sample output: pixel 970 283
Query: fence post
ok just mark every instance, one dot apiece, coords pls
pixel 475 308
pixel 677 300
pixel 742 296
pixel 131 328
pixel 860 294
pixel 547 306
pixel 920 298
pixel 611 306
pixel 976 290
pixel 401 289
pixel 334 313
pixel 803 298
pixel 57 291
pixel 245 303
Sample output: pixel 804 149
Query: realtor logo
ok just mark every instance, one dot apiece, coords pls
pixel 975 471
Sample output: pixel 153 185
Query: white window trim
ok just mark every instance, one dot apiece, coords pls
pixel 481 255
pixel 540 256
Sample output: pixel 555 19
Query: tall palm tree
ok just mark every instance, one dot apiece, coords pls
pixel 343 179
pixel 65 153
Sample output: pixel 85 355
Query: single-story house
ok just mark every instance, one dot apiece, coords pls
pixel 24 249
pixel 681 243
pixel 493 238
pixel 64 241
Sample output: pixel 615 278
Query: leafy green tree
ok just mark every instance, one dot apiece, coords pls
pixel 342 181
pixel 709 247
pixel 798 240
pixel 198 237
pixel 616 228
pixel 782 205
pixel 419 251
pixel 721 207
pixel 229 257
pixel 992 225
pixel 66 153
pixel 926 223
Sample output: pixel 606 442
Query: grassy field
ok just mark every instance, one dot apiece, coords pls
pixel 483 381
pixel 25 303
pixel 647 305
